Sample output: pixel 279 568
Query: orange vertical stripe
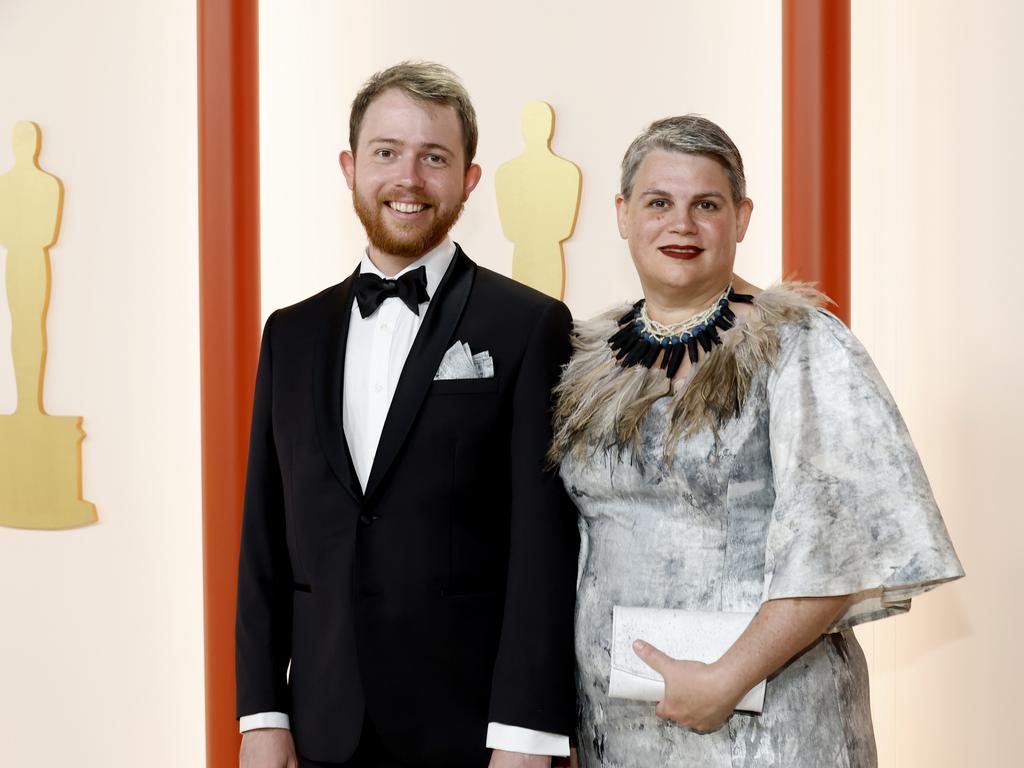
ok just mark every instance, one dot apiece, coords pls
pixel 816 146
pixel 229 329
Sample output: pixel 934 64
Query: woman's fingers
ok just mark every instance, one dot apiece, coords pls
pixel 652 657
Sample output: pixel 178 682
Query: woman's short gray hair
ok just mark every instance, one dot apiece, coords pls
pixel 692 135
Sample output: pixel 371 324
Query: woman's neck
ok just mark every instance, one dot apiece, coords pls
pixel 669 309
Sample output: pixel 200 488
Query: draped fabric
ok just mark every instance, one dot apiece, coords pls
pixel 813 488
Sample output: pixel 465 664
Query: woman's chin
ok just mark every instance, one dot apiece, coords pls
pixel 683 278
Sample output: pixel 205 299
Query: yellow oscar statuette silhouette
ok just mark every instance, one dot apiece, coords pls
pixel 40 455
pixel 538 199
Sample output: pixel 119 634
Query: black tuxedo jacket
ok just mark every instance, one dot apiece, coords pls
pixel 442 597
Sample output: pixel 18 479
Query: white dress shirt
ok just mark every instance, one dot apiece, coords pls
pixel 382 342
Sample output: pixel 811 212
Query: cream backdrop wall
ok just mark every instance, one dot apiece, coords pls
pixel 101 627
pixel 937 164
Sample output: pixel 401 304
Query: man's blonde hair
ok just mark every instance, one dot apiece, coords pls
pixel 423 81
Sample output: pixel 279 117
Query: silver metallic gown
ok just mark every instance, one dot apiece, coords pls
pixel 811 487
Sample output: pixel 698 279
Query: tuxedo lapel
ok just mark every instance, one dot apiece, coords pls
pixel 328 383
pixel 431 343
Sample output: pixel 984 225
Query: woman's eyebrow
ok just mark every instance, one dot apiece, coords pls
pixel 663 193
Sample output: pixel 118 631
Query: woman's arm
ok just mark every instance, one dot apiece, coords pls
pixel 702 696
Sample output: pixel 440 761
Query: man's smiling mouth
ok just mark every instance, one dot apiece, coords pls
pixel 406 207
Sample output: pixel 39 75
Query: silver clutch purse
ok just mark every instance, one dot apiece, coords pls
pixel 695 635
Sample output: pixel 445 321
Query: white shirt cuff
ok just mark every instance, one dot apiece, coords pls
pixel 512 738
pixel 263 720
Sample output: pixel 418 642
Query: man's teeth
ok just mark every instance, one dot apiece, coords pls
pixel 407 207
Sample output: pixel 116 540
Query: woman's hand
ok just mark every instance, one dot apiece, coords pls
pixel 702 696
pixel 697 695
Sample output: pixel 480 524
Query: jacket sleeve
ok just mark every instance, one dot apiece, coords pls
pixel 533 684
pixel 264 610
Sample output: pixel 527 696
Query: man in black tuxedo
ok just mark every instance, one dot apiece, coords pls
pixel 404 546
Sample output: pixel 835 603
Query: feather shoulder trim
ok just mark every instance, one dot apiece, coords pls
pixel 601 405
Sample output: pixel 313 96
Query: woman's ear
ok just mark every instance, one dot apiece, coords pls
pixel 622 215
pixel 743 211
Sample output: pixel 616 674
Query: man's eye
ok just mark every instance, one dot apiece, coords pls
pixel 660 204
pixel 385 154
pixel 435 159
pixel 707 205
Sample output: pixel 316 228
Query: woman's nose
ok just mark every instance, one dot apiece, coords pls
pixel 682 222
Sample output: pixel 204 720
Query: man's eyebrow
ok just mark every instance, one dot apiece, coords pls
pixel 434 146
pixel 429 146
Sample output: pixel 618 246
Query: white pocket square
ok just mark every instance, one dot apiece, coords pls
pixel 459 362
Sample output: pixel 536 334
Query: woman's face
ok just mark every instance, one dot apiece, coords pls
pixel 682 225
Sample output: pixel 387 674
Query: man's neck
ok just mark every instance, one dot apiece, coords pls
pixel 388 264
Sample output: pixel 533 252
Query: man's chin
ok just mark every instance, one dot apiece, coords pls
pixel 406 245
pixel 407 240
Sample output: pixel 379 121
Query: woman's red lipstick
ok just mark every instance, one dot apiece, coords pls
pixel 685 252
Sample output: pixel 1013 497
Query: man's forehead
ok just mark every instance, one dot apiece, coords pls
pixel 395 118
pixel 394 102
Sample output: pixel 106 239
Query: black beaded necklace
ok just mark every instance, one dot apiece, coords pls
pixel 640 339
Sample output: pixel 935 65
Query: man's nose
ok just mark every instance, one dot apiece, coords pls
pixel 410 173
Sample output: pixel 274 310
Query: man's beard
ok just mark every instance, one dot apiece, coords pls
pixel 409 241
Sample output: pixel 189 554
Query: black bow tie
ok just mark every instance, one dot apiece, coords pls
pixel 372 289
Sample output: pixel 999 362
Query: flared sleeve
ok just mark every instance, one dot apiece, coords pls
pixel 853 513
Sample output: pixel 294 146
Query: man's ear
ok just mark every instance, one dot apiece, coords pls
pixel 348 167
pixel 470 180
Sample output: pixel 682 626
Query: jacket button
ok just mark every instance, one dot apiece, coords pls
pixel 367 519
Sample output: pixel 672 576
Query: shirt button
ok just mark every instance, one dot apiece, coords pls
pixel 385 328
pixel 378 388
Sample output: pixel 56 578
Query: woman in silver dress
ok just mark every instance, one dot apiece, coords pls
pixel 733 449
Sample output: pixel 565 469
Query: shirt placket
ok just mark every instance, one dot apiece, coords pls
pixel 379 384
